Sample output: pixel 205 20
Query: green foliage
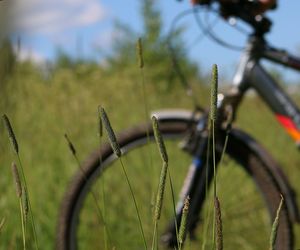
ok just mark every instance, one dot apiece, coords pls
pixel 65 61
pixel 156 47
pixel 7 60
pixel 43 112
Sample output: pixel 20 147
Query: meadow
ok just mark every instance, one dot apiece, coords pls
pixel 43 108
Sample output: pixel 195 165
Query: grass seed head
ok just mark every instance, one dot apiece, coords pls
pixel 218 227
pixel 275 225
pixel 100 125
pixel 159 140
pixel 183 223
pixel 11 134
pixel 214 93
pixel 17 180
pixel 139 50
pixel 161 190
pixel 25 203
pixel 70 144
pixel 111 135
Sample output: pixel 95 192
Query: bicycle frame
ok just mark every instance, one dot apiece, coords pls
pixel 251 74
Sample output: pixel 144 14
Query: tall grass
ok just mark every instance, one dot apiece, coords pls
pixel 64 95
pixel 101 218
pixel 183 223
pixel 18 184
pixel 213 118
pixel 275 225
pixel 15 147
pixel 211 139
pixel 116 148
pixel 162 182
pixel 107 240
pixel 218 224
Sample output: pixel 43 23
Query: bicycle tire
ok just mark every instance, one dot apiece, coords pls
pixel 256 170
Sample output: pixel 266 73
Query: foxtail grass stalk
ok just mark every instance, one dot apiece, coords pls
pixel 17 180
pixel 100 134
pixel 135 203
pixel 183 223
pixel 110 133
pixel 159 140
pixel 174 206
pixel 22 223
pixel 228 129
pixel 116 148
pixel 74 153
pixel 207 210
pixel 275 225
pixel 18 185
pixel 139 50
pixel 148 158
pixel 15 147
pixel 162 183
pixel 160 192
pixel 140 56
pixel 159 200
pixel 11 134
pixel 70 144
pixel 100 126
pixel 213 117
pixel 25 207
pixel 218 226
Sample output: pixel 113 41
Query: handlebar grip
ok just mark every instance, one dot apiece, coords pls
pixel 200 2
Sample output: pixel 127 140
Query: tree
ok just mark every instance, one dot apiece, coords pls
pixel 7 60
pixel 156 46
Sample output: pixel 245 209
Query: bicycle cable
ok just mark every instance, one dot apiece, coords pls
pixel 206 30
pixel 175 62
pixel 211 34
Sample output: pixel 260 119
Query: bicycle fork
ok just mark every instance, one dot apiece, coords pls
pixel 196 184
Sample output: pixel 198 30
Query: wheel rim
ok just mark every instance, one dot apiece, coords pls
pixel 122 221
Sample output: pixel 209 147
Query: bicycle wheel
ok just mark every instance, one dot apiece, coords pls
pixel 248 193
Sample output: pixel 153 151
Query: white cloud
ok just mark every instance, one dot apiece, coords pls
pixel 53 16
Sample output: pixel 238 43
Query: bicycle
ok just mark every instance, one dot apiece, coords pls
pixel 249 170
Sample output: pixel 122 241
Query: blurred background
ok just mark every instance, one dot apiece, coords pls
pixel 59 60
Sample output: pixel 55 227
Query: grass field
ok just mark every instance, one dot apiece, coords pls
pixel 43 110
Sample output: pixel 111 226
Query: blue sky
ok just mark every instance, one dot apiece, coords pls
pixel 85 29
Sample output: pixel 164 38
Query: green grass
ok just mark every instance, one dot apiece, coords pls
pixel 41 111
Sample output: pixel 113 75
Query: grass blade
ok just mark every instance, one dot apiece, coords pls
pixel 275 225
pixel 15 146
pixel 116 148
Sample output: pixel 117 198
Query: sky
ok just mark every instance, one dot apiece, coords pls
pixel 86 29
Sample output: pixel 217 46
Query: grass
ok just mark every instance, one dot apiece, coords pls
pixel 14 144
pixel 40 130
pixel 42 111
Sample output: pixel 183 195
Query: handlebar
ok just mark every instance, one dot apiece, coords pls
pixel 244 10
